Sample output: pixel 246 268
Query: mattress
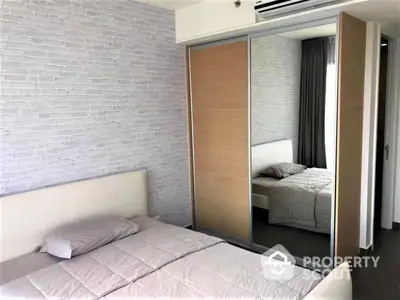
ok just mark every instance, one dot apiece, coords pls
pixel 260 191
pixel 160 261
pixel 24 265
pixel 260 201
pixel 265 181
pixel 302 200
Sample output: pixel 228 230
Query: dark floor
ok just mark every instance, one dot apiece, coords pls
pixel 383 282
pixel 298 242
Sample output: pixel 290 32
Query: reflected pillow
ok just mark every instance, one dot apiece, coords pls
pixel 81 237
pixel 282 170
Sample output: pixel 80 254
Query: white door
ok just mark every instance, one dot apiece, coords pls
pixel 392 132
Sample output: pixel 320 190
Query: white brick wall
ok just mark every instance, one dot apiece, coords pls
pixel 90 88
pixel 275 89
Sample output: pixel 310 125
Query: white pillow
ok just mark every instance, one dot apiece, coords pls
pixel 81 237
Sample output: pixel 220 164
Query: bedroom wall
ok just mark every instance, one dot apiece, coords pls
pixel 275 89
pixel 91 88
pixel 396 91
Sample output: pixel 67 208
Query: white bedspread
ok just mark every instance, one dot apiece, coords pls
pixel 160 261
pixel 99 272
pixel 221 271
pixel 302 200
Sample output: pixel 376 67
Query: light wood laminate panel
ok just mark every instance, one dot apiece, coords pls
pixel 351 68
pixel 216 129
pixel 222 204
pixel 219 76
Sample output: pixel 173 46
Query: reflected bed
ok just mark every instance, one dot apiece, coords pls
pixel 301 200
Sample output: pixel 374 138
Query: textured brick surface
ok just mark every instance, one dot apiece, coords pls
pixel 90 88
pixel 275 89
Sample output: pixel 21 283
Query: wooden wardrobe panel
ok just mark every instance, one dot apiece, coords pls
pixel 217 165
pixel 222 204
pixel 219 81
pixel 351 68
pixel 223 129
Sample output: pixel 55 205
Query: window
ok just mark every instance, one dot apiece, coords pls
pixel 330 115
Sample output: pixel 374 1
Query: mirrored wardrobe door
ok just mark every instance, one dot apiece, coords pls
pixel 293 140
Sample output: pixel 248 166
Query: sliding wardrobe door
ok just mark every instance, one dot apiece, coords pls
pixel 351 67
pixel 219 93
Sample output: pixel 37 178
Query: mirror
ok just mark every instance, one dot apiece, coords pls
pixel 293 140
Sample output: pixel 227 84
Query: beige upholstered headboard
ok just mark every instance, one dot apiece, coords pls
pixel 28 217
pixel 265 155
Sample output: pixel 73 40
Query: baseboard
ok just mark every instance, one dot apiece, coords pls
pixel 396 226
pixel 366 252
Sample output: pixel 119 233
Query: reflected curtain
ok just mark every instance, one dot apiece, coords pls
pixel 311 143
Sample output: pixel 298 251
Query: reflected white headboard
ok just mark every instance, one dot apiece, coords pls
pixel 265 155
pixel 28 217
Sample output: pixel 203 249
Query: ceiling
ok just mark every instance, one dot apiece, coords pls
pixel 171 4
pixel 384 12
pixel 313 32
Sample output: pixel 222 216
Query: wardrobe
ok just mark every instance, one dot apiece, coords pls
pixel 219 100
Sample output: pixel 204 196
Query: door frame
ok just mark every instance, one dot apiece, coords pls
pixel 391 134
pixel 370 123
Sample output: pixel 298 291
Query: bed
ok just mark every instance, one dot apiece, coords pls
pixel 302 200
pixel 161 260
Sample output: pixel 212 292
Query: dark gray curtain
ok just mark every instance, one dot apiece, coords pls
pixel 311 144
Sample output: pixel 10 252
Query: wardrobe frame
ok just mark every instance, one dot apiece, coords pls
pixel 287 28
